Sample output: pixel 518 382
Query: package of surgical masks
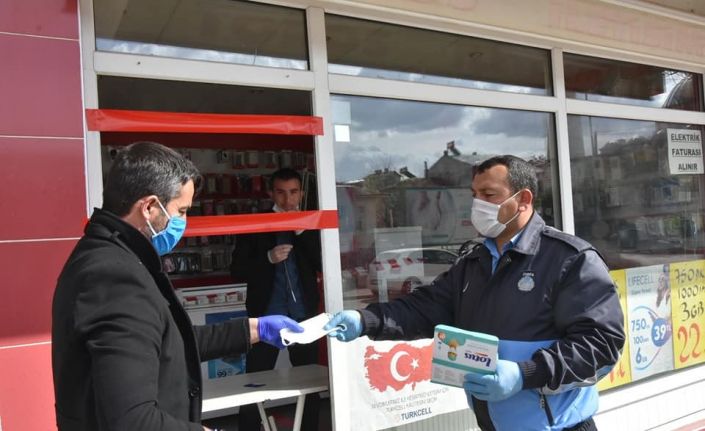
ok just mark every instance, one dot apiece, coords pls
pixel 313 330
pixel 456 352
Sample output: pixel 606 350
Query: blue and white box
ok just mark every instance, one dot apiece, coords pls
pixel 457 351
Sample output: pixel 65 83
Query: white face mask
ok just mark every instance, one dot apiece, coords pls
pixel 484 217
pixel 313 330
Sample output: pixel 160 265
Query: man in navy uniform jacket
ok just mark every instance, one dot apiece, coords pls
pixel 546 294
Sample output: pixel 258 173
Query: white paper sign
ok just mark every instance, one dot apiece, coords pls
pixel 685 151
pixel 390 384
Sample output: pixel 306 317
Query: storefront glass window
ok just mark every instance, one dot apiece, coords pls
pixel 603 80
pixel 638 189
pixel 178 96
pixel 212 30
pixel 379 50
pixel 403 176
pixel 638 196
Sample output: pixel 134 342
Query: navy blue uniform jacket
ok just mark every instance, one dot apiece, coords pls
pixel 565 333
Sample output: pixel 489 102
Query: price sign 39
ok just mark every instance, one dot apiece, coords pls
pixel 640 328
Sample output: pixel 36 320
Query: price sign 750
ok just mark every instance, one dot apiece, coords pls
pixel 688 312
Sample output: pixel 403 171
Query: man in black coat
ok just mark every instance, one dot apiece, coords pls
pixel 280 270
pixel 125 355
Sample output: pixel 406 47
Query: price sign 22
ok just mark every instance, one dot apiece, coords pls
pixel 690 338
pixel 688 312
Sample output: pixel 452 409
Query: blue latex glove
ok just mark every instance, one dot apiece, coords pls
pixel 269 327
pixel 349 323
pixel 505 382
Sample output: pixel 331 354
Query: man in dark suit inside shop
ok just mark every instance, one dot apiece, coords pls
pixel 280 271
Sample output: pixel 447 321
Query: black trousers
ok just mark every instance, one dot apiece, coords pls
pixel 482 415
pixel 586 425
pixel 263 357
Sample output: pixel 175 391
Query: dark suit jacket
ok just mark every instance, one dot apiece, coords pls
pixel 124 353
pixel 250 264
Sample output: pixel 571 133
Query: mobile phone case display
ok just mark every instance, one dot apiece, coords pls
pixel 213 304
pixel 236 181
pixel 200 255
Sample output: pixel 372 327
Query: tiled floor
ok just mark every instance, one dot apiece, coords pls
pixel 283 416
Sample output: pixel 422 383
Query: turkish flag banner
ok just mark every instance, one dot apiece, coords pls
pixel 390 384
pixel 401 366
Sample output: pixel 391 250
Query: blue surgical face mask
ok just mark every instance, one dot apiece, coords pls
pixel 166 240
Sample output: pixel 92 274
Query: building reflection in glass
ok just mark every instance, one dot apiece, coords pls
pixel 627 200
pixel 404 171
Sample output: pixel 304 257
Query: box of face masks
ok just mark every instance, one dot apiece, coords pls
pixel 456 352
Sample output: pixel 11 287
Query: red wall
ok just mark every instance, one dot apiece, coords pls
pixel 43 194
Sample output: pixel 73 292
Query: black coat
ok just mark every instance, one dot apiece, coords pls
pixel 124 353
pixel 250 264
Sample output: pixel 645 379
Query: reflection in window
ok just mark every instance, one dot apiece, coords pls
pixel 212 30
pixel 403 176
pixel 380 50
pixel 604 80
pixel 633 196
pixel 179 96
